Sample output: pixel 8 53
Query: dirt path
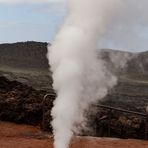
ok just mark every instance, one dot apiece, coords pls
pixel 22 136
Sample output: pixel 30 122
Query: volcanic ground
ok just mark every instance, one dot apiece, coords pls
pixel 23 136
pixel 25 79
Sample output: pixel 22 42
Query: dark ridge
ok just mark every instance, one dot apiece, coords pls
pixel 25 79
pixel 24 55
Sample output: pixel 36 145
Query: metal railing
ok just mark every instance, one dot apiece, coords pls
pixel 143 115
pixel 50 96
pixel 121 110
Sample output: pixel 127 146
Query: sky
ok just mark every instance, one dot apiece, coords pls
pixel 37 20
pixel 40 20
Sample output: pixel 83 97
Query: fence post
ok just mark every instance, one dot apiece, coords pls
pixel 146 124
pixel 109 124
pixel 44 110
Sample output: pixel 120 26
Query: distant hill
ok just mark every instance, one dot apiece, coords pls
pixel 32 56
pixel 24 56
pixel 26 62
pixel 136 64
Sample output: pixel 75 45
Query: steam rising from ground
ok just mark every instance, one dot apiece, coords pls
pixel 80 78
pixel 128 32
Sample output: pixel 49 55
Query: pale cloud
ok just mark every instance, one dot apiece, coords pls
pixel 30 1
pixel 128 31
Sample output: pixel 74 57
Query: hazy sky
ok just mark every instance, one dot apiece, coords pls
pixel 39 20
pixel 36 20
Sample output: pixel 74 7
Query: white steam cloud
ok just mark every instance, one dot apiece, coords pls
pixel 80 78
pixel 30 1
pixel 130 31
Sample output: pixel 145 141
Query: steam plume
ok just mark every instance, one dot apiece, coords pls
pixel 80 79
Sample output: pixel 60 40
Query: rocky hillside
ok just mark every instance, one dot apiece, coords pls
pixel 20 103
pixel 25 79
pixel 27 63
pixel 24 56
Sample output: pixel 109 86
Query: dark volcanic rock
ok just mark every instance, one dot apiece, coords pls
pixel 24 56
pixel 20 103
pixel 26 62
pixel 106 123
pixel 24 73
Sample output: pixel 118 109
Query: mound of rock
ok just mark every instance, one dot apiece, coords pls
pixel 20 103
pixel 113 123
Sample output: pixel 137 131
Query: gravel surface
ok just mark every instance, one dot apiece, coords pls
pixel 23 136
